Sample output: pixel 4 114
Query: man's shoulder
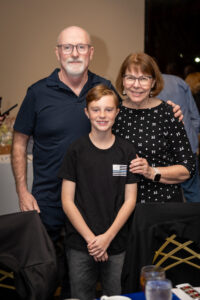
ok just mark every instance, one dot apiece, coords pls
pixel 174 80
pixel 45 80
pixel 97 79
pixel 175 89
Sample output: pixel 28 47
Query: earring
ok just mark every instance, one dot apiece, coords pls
pixel 151 93
pixel 124 93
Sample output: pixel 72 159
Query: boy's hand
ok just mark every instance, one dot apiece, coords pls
pixel 103 258
pixel 176 109
pixel 98 246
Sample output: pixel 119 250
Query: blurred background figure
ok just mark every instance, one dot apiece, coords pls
pixel 193 80
pixel 1 117
pixel 1 120
pixel 179 92
pixel 190 68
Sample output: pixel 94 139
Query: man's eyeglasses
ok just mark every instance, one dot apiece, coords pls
pixel 68 48
pixel 143 80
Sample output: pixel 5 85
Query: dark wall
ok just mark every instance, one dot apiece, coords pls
pixel 172 33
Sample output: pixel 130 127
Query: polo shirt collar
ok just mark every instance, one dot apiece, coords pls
pixel 54 81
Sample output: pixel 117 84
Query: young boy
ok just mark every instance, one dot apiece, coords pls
pixel 98 196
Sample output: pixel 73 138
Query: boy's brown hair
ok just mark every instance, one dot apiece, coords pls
pixel 97 92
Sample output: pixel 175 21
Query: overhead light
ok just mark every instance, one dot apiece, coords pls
pixel 197 59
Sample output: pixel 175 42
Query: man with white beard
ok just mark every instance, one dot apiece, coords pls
pixel 53 114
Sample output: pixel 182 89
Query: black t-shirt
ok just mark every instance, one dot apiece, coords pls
pixel 100 176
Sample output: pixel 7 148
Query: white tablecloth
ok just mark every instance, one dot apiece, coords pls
pixel 183 296
pixel 8 196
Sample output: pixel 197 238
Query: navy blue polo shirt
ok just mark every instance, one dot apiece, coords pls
pixel 55 117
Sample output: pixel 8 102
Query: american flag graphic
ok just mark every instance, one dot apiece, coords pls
pixel 119 170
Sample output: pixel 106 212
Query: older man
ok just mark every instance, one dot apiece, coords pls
pixel 53 113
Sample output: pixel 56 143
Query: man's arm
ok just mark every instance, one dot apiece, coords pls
pixel 19 167
pixel 100 243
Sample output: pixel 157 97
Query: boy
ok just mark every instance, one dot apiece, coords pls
pixel 98 196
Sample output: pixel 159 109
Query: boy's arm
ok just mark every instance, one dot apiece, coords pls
pixel 100 243
pixel 72 212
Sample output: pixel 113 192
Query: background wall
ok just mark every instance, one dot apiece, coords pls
pixel 29 28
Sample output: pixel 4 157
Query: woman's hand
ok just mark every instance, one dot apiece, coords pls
pixel 140 165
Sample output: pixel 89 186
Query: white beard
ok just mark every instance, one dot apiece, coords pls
pixel 74 70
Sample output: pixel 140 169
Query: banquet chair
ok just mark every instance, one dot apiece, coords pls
pixel 167 235
pixel 5 275
pixel 178 249
pixel 28 266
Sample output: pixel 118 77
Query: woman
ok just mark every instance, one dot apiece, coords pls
pixel 164 156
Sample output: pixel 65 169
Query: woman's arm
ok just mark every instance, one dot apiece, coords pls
pixel 178 149
pixel 169 175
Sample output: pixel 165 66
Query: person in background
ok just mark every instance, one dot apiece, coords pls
pixel 98 195
pixel 190 68
pixel 193 80
pixel 3 116
pixel 1 119
pixel 164 156
pixel 178 91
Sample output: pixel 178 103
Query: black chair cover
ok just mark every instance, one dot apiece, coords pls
pixel 151 224
pixel 26 249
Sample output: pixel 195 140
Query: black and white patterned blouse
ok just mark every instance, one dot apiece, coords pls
pixel 162 140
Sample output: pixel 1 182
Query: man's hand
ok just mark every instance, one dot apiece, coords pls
pixel 176 109
pixel 28 202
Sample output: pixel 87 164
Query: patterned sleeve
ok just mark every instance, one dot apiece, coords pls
pixel 178 142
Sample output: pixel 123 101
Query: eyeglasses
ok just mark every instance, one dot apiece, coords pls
pixel 80 48
pixel 143 80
